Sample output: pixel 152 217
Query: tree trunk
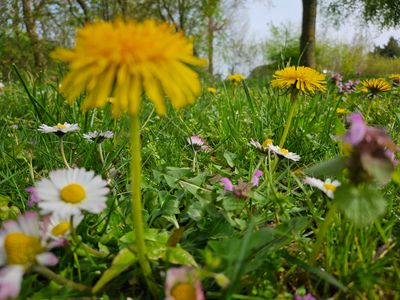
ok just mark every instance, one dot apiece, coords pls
pixel 307 39
pixel 33 36
pixel 210 45
pixel 85 9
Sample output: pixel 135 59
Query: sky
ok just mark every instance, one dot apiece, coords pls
pixel 253 22
pixel 259 13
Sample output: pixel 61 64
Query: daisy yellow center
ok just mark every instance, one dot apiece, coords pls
pixel 60 229
pixel 284 151
pixel 183 291
pixel 330 187
pixel 21 249
pixel 267 142
pixel 73 193
pixel 60 126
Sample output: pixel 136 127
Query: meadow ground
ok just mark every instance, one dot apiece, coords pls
pixel 246 241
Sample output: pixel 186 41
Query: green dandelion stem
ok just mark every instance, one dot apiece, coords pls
pixel 63 153
pixel 321 234
pixel 46 272
pixel 289 119
pixel 136 164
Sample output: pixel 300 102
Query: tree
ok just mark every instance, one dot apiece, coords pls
pixel 307 39
pixel 385 13
pixel 391 49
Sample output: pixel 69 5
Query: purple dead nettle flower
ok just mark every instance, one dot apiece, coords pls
pixel 241 189
pixel 370 148
pixel 305 297
pixel 336 77
pixel 183 283
pixel 198 143
pixel 348 87
pixel 23 244
pixel 33 198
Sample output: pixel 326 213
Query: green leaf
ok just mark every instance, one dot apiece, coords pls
pixel 124 259
pixel 195 211
pixel 229 156
pixel 362 205
pixel 332 167
pixel 380 169
pixel 233 204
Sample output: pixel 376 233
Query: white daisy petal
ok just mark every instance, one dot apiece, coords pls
pixel 328 186
pixel 284 152
pixel 47 259
pixel 10 281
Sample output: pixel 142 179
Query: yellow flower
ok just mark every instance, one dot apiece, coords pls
pixel 303 79
pixel 395 78
pixel 235 78
pixel 342 111
pixel 375 86
pixel 124 59
pixel 212 90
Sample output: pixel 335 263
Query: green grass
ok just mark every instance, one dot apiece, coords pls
pixel 262 244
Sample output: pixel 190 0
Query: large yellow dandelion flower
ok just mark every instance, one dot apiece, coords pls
pixel 375 86
pixel 124 59
pixel 302 79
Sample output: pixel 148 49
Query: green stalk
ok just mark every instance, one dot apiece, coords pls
pixel 289 119
pixel 42 270
pixel 136 165
pixel 322 231
pixel 63 153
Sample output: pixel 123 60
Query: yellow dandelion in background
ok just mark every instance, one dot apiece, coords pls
pixel 235 78
pixel 395 78
pixel 375 86
pixel 302 79
pixel 212 90
pixel 342 111
pixel 124 59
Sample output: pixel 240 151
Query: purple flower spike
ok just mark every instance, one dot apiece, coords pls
pixel 255 180
pixel 228 186
pixel 33 198
pixel 357 130
pixel 305 297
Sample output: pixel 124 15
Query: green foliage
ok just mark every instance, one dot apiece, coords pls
pixel 390 50
pixel 261 242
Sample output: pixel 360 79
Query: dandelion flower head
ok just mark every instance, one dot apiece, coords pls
pixel 235 78
pixel 375 86
pixel 302 79
pixel 124 59
pixel 212 90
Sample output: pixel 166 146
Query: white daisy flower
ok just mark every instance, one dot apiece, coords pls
pixel 98 137
pixel 22 245
pixel 328 186
pixel 68 191
pixel 183 283
pixel 264 147
pixel 284 152
pixel 59 129
pixel 59 225
pixel 195 140
pixel 199 143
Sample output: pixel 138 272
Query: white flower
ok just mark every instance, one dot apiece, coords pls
pixel 22 244
pixel 198 142
pixel 59 129
pixel 59 225
pixel 68 191
pixel 195 140
pixel 284 152
pixel 264 147
pixel 328 186
pixel 1 90
pixel 98 137
pixel 183 283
